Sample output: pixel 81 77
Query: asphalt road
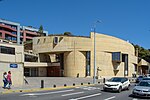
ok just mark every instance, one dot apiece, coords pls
pixel 78 93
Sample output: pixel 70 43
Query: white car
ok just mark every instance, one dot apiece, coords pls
pixel 117 84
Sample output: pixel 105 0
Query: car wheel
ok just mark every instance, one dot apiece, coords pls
pixel 128 87
pixel 120 89
pixel 104 89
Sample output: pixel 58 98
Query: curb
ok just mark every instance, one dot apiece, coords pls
pixel 42 89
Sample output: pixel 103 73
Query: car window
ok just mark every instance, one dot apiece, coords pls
pixel 146 84
pixel 146 78
pixel 140 76
pixel 115 80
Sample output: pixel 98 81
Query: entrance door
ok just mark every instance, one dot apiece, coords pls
pixel 53 71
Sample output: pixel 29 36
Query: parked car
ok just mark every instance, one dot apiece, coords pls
pixel 139 78
pixel 146 78
pixel 148 75
pixel 142 89
pixel 117 84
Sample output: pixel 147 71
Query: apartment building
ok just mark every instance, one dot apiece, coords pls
pixel 16 33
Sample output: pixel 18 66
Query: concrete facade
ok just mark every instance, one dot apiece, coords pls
pixel 76 61
pixel 12 62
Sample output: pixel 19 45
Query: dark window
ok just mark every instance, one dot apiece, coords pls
pixel 55 40
pixel 21 34
pixel 0 34
pixel 88 65
pixel 30 58
pixel 7 50
pixel 14 33
pixel 116 56
pixel 14 38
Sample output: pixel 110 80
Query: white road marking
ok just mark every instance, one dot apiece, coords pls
pixel 34 94
pixel 134 99
pixel 88 88
pixel 72 93
pixel 89 96
pixel 81 87
pixel 110 98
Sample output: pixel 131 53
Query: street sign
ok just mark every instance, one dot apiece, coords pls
pixel 13 65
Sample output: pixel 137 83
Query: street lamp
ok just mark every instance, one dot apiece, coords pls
pixel 95 68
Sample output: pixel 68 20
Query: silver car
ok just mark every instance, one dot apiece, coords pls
pixel 142 89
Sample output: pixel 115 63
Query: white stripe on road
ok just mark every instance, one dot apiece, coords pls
pixel 110 98
pixel 72 93
pixel 86 96
pixel 134 99
pixel 33 94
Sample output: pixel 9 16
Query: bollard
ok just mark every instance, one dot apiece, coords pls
pixel 99 82
pixel 73 84
pixel 42 83
pixel 65 85
pixel 54 86
pixel 88 83
pixel 81 83
pixel 104 80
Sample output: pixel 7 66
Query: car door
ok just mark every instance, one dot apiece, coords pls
pixel 125 83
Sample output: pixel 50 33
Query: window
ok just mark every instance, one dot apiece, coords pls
pixel 116 56
pixel 7 50
pixel 14 38
pixel 38 41
pixel 0 34
pixel 14 33
pixel 14 27
pixel 55 40
pixel 88 65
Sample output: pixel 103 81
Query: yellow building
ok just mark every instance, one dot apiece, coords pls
pixel 114 56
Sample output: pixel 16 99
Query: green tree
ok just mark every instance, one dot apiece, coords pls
pixel 41 29
pixel 68 33
pixel 143 53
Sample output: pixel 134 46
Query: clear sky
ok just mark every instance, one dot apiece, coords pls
pixel 125 19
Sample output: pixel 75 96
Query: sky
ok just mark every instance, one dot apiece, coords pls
pixel 125 19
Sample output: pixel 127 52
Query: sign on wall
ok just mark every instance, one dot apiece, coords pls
pixel 13 65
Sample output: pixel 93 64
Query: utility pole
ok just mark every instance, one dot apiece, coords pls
pixel 95 68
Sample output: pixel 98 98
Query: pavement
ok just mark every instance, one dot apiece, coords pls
pixel 49 83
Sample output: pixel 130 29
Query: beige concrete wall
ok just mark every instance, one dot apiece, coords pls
pixel 35 64
pixel 74 63
pixel 7 59
pixel 17 73
pixel 74 59
pixel 19 53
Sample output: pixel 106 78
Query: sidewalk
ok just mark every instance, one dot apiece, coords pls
pixel 49 84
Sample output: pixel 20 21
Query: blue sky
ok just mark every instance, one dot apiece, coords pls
pixel 125 19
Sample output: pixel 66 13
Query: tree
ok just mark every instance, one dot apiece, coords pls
pixel 41 29
pixel 68 33
pixel 143 53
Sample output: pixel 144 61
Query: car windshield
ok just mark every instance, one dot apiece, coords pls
pixel 146 78
pixel 115 79
pixel 146 84
pixel 140 76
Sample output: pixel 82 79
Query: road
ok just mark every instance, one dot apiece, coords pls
pixel 78 93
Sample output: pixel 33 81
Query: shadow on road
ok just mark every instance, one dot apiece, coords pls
pixel 137 97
